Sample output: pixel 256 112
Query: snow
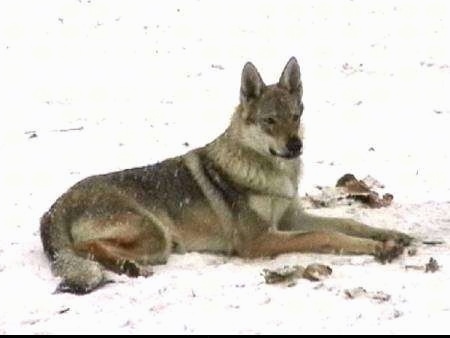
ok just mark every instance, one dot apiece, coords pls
pixel 108 85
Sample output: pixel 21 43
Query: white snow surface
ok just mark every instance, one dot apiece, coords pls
pixel 108 85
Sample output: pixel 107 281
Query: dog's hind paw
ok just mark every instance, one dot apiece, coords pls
pixel 79 289
pixel 133 269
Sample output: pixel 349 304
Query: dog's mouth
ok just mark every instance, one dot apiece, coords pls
pixel 287 155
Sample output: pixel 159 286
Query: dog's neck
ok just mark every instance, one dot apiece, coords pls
pixel 264 174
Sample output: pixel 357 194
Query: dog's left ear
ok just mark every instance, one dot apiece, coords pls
pixel 290 78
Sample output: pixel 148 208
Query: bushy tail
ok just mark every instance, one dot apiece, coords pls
pixel 79 275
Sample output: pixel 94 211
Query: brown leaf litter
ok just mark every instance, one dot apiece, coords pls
pixel 288 275
pixel 348 189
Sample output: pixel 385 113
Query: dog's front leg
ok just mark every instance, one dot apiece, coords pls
pixel 295 219
pixel 275 242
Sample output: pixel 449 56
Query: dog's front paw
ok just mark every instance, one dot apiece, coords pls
pixel 391 235
pixel 389 250
pixel 401 238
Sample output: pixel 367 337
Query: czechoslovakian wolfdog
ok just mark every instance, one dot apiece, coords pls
pixel 236 196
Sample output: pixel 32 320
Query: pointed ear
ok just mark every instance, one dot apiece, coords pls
pixel 252 84
pixel 290 78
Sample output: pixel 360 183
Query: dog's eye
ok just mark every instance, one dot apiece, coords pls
pixel 269 120
pixel 296 117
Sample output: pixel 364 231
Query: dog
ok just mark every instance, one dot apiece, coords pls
pixel 238 195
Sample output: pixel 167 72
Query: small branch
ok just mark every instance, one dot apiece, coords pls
pixel 68 129
pixel 433 242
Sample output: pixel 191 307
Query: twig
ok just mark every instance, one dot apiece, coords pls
pixel 414 267
pixel 68 129
pixel 433 242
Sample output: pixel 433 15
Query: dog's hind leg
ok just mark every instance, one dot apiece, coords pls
pixel 124 243
pixel 119 240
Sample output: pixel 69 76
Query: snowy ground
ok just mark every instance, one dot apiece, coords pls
pixel 94 86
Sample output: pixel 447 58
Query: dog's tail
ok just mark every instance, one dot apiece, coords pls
pixel 79 275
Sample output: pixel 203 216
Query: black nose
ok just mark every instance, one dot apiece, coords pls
pixel 294 145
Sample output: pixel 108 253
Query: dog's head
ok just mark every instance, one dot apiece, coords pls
pixel 270 115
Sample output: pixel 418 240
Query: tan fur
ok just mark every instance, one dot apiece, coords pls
pixel 236 196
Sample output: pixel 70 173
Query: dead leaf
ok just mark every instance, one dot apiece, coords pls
pixel 285 274
pixel 361 190
pixel 432 265
pixel 380 296
pixel 316 272
pixel 351 184
pixel 355 292
pixel 290 274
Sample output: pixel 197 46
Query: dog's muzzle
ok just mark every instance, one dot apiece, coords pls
pixel 294 148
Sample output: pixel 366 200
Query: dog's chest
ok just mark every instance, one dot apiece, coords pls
pixel 269 208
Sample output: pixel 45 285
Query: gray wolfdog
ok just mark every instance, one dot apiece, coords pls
pixel 236 196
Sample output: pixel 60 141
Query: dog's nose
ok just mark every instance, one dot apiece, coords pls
pixel 294 145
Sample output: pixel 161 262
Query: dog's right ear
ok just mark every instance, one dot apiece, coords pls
pixel 252 84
